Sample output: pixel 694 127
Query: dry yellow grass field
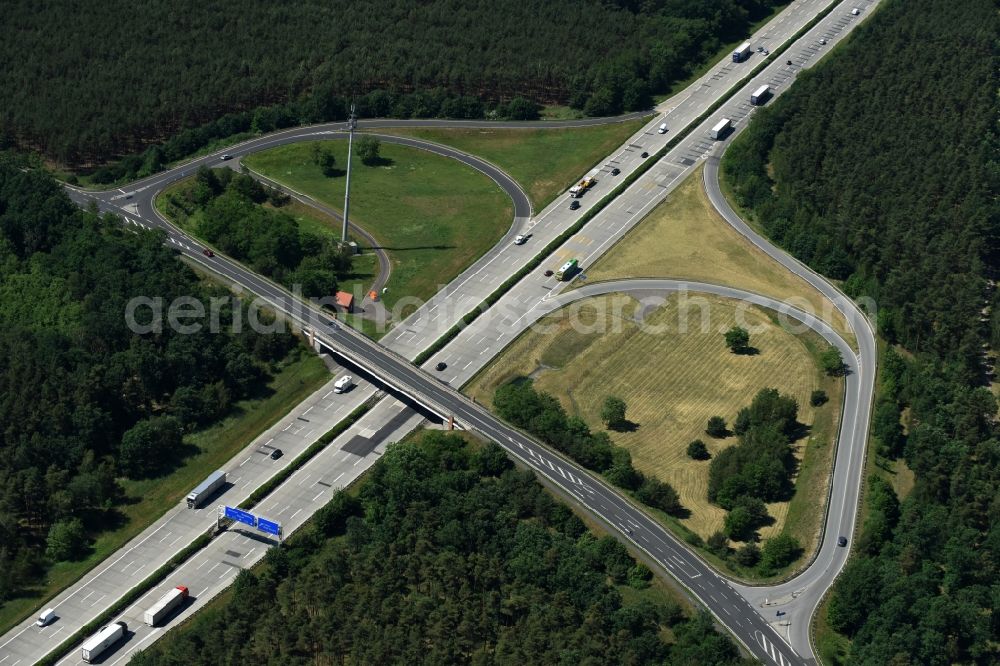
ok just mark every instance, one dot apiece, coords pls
pixel 673 381
pixel 685 238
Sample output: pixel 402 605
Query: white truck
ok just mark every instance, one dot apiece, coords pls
pixel 720 129
pixel 205 489
pixel 742 52
pixel 588 181
pixel 102 640
pixel 165 605
pixel 760 95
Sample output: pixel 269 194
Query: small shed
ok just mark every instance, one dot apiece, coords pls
pixel 345 301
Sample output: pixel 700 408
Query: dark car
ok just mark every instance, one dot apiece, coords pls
pixel 574 204
pixel 277 453
pixel 645 154
pixel 789 62
pixel 842 541
pixel 548 273
pixel 207 252
pixel 440 366
pixel 615 171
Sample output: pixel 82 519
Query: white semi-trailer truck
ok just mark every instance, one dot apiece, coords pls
pixel 760 95
pixel 102 640
pixel 165 605
pixel 205 489
pixel 742 52
pixel 720 129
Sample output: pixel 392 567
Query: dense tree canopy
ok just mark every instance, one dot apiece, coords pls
pixel 447 556
pixel 90 84
pixel 879 167
pixel 226 211
pixel 83 399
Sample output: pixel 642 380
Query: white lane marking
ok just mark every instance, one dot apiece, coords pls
pixel 248 553
pixel 244 462
pixel 295 514
pixel 318 495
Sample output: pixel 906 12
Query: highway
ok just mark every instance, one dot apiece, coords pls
pixel 392 367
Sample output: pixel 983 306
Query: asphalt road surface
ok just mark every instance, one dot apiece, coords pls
pixel 395 370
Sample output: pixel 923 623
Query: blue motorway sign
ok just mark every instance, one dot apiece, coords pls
pixel 241 516
pixel 267 526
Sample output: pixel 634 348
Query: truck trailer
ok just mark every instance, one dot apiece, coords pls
pixel 567 270
pixel 742 52
pixel 165 605
pixel 721 129
pixel 760 95
pixel 588 181
pixel 102 640
pixel 205 489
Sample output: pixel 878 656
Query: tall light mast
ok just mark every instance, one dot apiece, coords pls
pixel 352 122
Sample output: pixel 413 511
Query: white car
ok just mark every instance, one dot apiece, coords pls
pixel 520 239
pixel 343 384
pixel 822 42
pixel 855 11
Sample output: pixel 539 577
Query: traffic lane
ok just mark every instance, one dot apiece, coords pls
pixel 151 549
pixel 214 568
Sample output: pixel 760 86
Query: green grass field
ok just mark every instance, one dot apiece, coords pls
pixel 434 215
pixel 147 500
pixel 544 162
pixel 672 382
pixel 685 238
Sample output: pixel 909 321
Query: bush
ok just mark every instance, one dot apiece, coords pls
pixel 779 552
pixel 832 362
pixel 613 413
pixel 716 427
pixel 818 398
pixel 659 495
pixel 698 451
pixel 67 540
pixel 639 576
pixel 718 544
pixel 748 555
pixel 738 340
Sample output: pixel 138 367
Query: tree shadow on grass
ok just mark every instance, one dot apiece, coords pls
pixel 625 426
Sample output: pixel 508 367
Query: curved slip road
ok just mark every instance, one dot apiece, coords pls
pixel 394 367
pixel 799 597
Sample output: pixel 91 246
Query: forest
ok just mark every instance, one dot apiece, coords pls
pixel 879 168
pixel 84 401
pixel 446 554
pixel 86 83
pixel 228 213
